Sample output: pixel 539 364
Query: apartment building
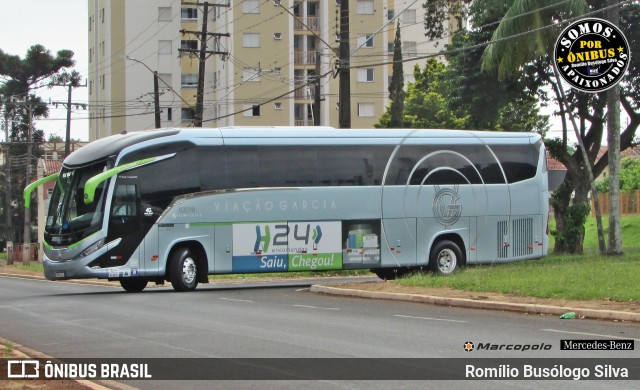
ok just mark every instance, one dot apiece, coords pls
pixel 272 57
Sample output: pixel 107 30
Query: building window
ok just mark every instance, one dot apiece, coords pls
pixel 251 110
pixel 277 36
pixel 189 13
pixel 251 40
pixel 277 70
pixel 366 110
pixel 90 23
pixel 102 15
pixel 409 16
pixel 365 7
pixel 251 6
pixel 90 55
pixel 164 47
pixel 164 14
pixel 169 114
pixel 365 41
pixel 391 13
pixel 251 74
pixel 190 80
pixel 365 75
pixel 164 80
pixel 190 44
pixel 278 106
pixel 409 49
pixel 187 114
pixel 102 81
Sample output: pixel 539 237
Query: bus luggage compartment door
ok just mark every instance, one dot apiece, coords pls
pixel 398 242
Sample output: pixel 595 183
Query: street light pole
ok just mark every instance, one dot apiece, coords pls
pixel 156 89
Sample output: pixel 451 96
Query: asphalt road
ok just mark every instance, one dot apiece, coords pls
pixel 279 320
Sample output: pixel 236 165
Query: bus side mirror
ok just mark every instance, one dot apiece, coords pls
pixel 29 189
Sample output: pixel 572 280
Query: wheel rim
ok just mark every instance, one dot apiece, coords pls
pixel 447 261
pixel 188 270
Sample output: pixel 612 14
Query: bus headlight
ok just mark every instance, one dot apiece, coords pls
pixel 97 245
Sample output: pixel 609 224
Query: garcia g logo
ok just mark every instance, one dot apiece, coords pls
pixel 591 55
pixel 446 208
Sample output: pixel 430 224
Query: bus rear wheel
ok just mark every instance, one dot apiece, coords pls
pixel 183 272
pixel 133 284
pixel 445 257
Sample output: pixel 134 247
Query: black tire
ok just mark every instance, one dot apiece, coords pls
pixel 133 285
pixel 445 258
pixel 183 270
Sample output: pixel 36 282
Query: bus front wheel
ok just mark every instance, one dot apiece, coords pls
pixel 184 270
pixel 133 284
pixel 445 257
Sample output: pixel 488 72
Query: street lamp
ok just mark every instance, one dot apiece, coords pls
pixel 156 94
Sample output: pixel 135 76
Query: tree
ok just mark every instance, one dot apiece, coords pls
pixel 528 53
pixel 20 106
pixel 396 86
pixel 426 104
pixel 54 138
pixel 487 102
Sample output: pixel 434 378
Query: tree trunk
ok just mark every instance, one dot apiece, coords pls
pixel 613 140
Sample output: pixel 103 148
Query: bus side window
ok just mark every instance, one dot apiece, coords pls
pixel 125 202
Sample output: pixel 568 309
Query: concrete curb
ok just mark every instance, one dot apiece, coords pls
pixel 474 304
pixel 25 353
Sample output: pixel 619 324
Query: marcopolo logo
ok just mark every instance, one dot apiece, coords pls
pixel 470 346
pixel 592 55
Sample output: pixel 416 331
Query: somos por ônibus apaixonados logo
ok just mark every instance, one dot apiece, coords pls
pixel 592 55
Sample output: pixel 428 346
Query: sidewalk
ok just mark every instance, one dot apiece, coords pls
pixel 529 308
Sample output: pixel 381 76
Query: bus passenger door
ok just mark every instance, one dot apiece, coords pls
pixel 398 242
pixel 125 222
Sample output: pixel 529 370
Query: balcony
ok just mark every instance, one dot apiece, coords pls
pixel 305 92
pixel 304 57
pixel 312 22
pixel 303 122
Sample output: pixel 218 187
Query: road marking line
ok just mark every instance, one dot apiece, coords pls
pixel 429 318
pixel 84 282
pixel 316 307
pixel 236 300
pixel 303 289
pixel 590 334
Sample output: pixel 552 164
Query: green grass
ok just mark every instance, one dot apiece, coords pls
pixel 3 255
pixel 585 277
pixel 7 349
pixel 589 276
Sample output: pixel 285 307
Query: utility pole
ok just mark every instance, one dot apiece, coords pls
pixel 156 99
pixel 26 240
pixel 344 91
pixel 203 54
pixel 316 92
pixel 7 199
pixel 68 104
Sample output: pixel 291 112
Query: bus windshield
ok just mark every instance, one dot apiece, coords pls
pixel 70 220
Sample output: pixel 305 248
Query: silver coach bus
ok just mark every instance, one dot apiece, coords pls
pixel 180 204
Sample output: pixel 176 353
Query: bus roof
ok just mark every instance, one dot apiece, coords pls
pixel 104 148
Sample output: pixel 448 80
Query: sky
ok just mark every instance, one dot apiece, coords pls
pixel 57 25
pixel 62 24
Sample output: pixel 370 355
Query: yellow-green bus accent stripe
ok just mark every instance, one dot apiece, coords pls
pixel 29 189
pixel 93 183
